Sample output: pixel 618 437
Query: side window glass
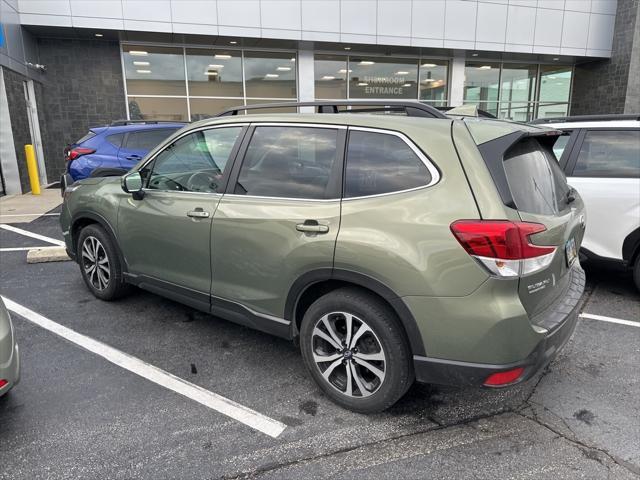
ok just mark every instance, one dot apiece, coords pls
pixel 609 153
pixel 116 139
pixel 560 144
pixel 147 139
pixel 194 163
pixel 381 163
pixel 291 162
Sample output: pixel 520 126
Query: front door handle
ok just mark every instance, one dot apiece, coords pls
pixel 312 226
pixel 198 213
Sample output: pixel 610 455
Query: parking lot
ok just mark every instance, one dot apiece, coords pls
pixel 79 413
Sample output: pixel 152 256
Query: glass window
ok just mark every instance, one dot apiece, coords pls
pixel 490 107
pixel 147 139
pixel 383 78
pixel 609 153
pixel 209 107
pixel 518 83
pixel 291 162
pixel 547 110
pixel 433 82
pixel 194 163
pixel 481 82
pixel 158 108
pixel 560 144
pixel 381 163
pixel 555 83
pixel 258 101
pixel 214 73
pixel 115 139
pixel 330 77
pixel 516 111
pixel 270 75
pixel 154 70
pixel 535 179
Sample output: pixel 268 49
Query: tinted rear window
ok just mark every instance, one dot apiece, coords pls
pixel 609 153
pixel 536 182
pixel 87 136
pixel 115 139
pixel 147 139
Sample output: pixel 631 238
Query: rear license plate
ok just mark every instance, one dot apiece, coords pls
pixel 570 251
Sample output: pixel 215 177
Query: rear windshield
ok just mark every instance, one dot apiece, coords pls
pixel 87 136
pixel 537 183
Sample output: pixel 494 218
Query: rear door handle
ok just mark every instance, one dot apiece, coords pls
pixel 198 213
pixel 312 226
pixel 133 157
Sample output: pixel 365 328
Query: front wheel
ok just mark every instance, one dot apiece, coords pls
pixel 355 349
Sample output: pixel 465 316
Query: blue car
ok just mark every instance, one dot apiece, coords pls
pixel 115 148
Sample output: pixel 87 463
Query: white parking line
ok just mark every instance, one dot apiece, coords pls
pixel 602 318
pixel 19 249
pixel 227 407
pixel 26 233
pixel 29 214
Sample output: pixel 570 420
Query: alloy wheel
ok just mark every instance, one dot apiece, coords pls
pixel 95 263
pixel 348 354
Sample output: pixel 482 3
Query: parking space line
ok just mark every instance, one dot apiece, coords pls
pixel 602 318
pixel 27 233
pixel 19 249
pixel 29 214
pixel 216 402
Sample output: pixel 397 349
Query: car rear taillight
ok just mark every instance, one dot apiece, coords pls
pixel 3 382
pixel 502 246
pixel 500 379
pixel 73 153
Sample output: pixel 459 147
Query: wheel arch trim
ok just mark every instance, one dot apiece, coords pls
pixel 104 223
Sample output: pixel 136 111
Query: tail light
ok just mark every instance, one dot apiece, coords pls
pixel 502 246
pixel 3 382
pixel 73 153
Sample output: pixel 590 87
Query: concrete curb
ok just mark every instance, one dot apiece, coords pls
pixel 47 254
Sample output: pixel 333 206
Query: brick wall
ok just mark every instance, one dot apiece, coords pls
pixel 82 87
pixel 602 86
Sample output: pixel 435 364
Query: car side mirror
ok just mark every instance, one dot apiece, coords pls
pixel 132 183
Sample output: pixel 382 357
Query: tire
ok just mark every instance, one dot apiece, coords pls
pixel 636 273
pixel 383 346
pixel 105 279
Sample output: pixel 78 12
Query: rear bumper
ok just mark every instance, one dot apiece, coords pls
pixel 563 318
pixel 11 371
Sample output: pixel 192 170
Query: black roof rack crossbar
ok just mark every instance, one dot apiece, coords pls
pixel 120 123
pixel 588 118
pixel 412 108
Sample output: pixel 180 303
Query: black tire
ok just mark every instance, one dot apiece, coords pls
pixel 636 272
pixel 115 285
pixel 385 338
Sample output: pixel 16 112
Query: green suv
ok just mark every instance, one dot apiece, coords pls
pixel 392 248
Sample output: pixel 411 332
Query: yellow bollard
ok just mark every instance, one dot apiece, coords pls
pixel 32 168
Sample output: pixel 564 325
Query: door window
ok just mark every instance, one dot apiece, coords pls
pixel 291 162
pixel 194 163
pixel 380 163
pixel 147 139
pixel 609 153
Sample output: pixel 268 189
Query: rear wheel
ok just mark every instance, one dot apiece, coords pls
pixel 100 264
pixel 354 348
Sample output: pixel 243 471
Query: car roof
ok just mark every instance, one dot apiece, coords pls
pixel 111 129
pixel 594 124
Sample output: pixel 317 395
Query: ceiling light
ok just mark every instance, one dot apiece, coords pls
pixel 328 77
pixel 485 67
pixel 216 66
pixel 347 48
pixel 211 74
pixel 406 85
pixel 474 54
pixel 138 52
pixel 344 70
pixel 556 59
pixel 363 84
pixel 271 75
pixel 428 80
pixel 221 56
pixel 233 42
pixel 143 71
pixel 141 64
pixel 293 59
pixel 429 65
pixel 366 62
pixel 99 35
pixel 402 72
pixel 284 69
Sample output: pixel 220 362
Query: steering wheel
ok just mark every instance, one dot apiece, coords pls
pixel 202 182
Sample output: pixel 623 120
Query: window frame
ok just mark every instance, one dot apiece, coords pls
pixel 431 167
pixel 576 148
pixel 334 191
pixel 231 162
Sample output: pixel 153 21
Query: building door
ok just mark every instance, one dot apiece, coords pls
pixel 34 128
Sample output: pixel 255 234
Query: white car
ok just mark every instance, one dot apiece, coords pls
pixel 601 158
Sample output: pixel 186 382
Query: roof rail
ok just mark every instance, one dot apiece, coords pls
pixel 411 108
pixel 479 112
pixel 588 118
pixel 120 123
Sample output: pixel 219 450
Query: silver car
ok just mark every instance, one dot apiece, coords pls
pixel 9 357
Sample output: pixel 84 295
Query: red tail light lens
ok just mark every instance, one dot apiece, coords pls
pixel 74 153
pixel 503 246
pixel 3 382
pixel 503 378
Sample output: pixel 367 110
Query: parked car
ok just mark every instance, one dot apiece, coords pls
pixel 116 147
pixel 601 157
pixel 391 248
pixel 9 354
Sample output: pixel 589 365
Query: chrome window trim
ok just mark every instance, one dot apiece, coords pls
pixel 266 316
pixel 304 124
pixel 154 191
pixel 289 199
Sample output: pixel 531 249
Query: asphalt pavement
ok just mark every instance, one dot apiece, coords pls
pixel 76 414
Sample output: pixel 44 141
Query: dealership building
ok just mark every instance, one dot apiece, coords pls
pixel 71 64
